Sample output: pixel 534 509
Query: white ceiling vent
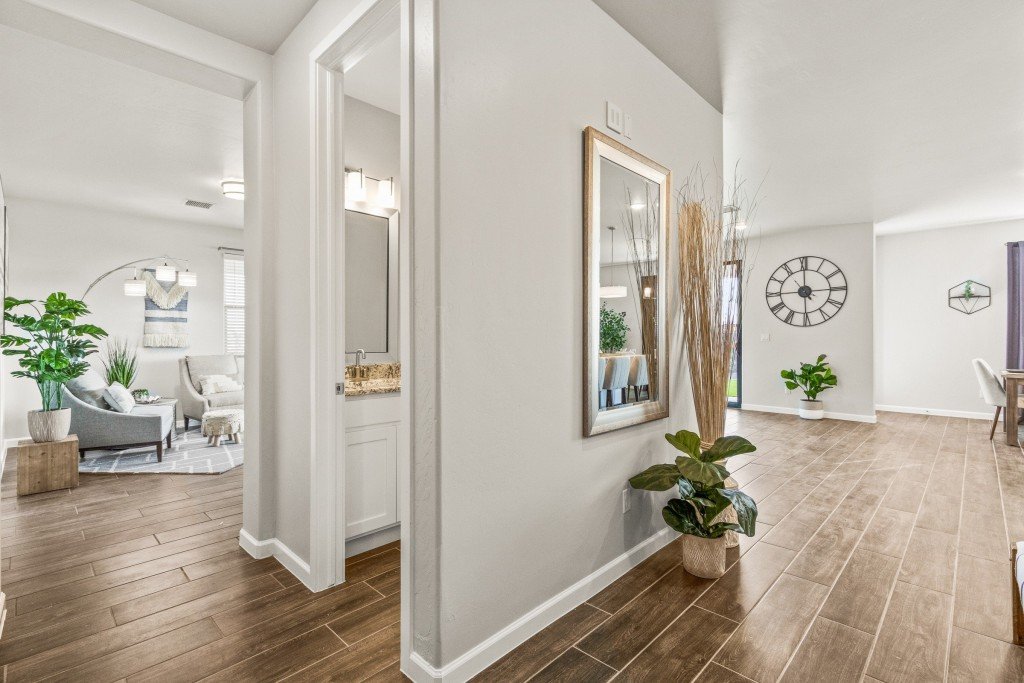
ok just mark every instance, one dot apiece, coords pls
pixel 198 204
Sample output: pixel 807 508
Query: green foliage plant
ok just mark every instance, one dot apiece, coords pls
pixel 121 364
pixel 699 477
pixel 613 330
pixel 54 350
pixel 812 378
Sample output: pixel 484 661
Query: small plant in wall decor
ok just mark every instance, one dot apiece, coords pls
pixel 812 379
pixel 701 510
pixel 51 355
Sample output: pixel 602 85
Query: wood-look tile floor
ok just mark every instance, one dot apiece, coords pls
pixel 881 554
pixel 140 578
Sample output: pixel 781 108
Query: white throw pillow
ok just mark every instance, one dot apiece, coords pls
pixel 119 398
pixel 218 384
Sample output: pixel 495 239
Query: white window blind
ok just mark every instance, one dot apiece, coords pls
pixel 234 303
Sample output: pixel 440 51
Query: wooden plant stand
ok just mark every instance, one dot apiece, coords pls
pixel 47 466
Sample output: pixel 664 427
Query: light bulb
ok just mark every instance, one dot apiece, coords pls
pixel 386 193
pixel 355 188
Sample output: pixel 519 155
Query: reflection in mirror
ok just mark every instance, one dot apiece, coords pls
pixel 625 207
pixel 371 283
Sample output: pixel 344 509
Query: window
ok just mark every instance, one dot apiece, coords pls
pixel 234 303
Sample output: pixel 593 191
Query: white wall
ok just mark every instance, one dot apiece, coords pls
pixel 529 506
pixel 924 348
pixel 61 247
pixel 372 142
pixel 847 338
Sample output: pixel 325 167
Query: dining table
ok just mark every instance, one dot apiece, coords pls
pixel 1012 380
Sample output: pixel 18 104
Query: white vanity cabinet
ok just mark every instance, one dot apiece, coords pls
pixel 371 464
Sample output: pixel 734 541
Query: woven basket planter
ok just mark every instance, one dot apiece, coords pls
pixel 704 557
pixel 732 539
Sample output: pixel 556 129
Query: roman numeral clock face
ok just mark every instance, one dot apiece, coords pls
pixel 806 291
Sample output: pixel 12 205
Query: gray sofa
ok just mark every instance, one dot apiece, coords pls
pixel 193 368
pixel 102 428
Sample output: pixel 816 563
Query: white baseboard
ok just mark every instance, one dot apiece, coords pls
pixel 273 547
pixel 372 539
pixel 515 634
pixel 850 417
pixel 938 412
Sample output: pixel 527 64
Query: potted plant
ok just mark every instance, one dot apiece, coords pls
pixel 812 379
pixel 51 355
pixel 699 477
pixel 120 364
pixel 613 330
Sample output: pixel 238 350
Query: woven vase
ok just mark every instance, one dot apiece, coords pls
pixel 732 539
pixel 704 557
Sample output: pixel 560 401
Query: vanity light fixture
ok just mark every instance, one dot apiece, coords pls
pixel 613 291
pixel 355 185
pixel 386 193
pixel 166 273
pixel 233 188
pixel 648 292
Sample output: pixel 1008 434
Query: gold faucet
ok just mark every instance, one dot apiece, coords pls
pixel 358 373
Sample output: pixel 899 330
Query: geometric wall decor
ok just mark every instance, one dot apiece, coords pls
pixel 969 297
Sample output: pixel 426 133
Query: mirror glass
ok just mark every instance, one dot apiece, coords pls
pixel 367 261
pixel 625 233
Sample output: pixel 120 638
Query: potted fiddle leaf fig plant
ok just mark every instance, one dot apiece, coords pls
pixel 812 379
pixel 51 355
pixel 699 511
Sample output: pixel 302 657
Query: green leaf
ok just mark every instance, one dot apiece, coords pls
pixel 726 447
pixel 821 358
pixel 685 441
pixel 718 530
pixel 707 473
pixel 746 509
pixel 683 518
pixel 686 490
pixel 656 478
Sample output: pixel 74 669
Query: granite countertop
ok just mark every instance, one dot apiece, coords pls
pixel 380 378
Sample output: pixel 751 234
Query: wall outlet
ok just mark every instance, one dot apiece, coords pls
pixel 766 336
pixel 626 503
pixel 615 119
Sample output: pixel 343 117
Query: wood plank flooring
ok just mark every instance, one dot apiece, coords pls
pixel 881 555
pixel 140 578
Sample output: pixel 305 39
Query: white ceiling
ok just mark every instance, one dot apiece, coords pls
pixel 260 24
pixel 906 114
pixel 376 78
pixel 82 129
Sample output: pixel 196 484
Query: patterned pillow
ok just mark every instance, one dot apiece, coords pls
pixel 218 384
pixel 119 398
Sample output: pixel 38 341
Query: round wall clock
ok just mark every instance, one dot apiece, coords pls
pixel 806 291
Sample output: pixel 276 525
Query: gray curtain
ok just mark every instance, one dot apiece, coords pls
pixel 1014 304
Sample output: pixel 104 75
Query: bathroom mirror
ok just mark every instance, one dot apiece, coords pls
pixel 625 238
pixel 371 283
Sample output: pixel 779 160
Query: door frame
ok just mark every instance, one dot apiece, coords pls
pixel 738 350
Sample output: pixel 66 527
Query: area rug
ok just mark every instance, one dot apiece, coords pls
pixel 188 454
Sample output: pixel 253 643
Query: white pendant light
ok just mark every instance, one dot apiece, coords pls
pixel 355 186
pixel 134 287
pixel 233 188
pixel 186 278
pixel 386 193
pixel 613 291
pixel 166 273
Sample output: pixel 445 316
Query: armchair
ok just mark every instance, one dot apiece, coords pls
pixel 99 428
pixel 192 369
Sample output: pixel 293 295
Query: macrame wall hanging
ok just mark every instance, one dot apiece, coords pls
pixel 166 314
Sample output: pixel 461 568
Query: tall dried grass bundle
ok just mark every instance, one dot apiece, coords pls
pixel 712 251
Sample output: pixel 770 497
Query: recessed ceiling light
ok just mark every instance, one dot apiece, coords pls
pixel 233 188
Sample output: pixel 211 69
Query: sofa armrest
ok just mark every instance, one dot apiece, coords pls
pixel 193 404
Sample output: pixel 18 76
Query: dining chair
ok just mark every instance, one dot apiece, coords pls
pixel 602 370
pixel 616 379
pixel 638 375
pixel 993 392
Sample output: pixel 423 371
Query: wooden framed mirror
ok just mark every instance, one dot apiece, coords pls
pixel 625 241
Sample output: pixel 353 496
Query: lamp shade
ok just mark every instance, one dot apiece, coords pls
pixel 613 292
pixel 166 273
pixel 233 189
pixel 186 278
pixel 134 287
pixel 355 188
pixel 386 193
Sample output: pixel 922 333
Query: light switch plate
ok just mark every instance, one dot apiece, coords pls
pixel 614 116
pixel 627 126
pixel 766 336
